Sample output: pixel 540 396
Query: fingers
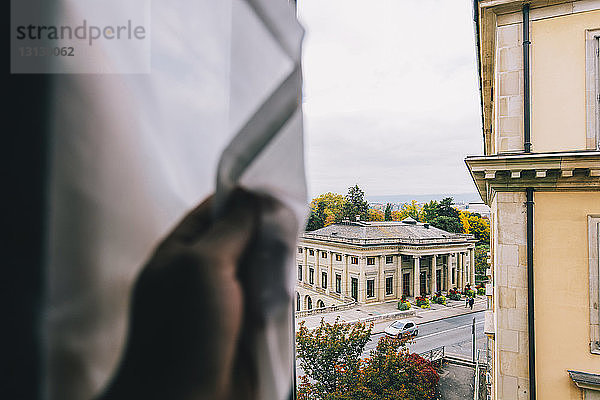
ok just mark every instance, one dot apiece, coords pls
pixel 194 223
pixel 229 235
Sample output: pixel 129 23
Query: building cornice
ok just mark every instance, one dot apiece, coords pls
pixel 577 170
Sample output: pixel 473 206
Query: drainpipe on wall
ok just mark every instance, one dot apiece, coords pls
pixel 530 298
pixel 526 96
pixel 529 205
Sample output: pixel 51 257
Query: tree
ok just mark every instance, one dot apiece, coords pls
pixel 355 204
pixel 448 224
pixel 337 373
pixel 317 217
pixel 474 224
pixel 481 261
pixel 329 351
pixel 446 209
pixel 431 210
pixel 388 212
pixel 412 210
pixel 375 215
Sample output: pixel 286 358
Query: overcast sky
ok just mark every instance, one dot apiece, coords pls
pixel 390 95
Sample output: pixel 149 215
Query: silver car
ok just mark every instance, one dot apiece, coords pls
pixel 402 328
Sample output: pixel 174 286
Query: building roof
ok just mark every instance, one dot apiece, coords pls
pixel 407 230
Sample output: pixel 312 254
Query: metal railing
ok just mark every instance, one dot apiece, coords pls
pixel 434 355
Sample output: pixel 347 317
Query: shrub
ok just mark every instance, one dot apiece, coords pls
pixel 470 293
pixel 481 290
pixel 422 302
pixel 453 294
pixel 439 299
pixel 403 305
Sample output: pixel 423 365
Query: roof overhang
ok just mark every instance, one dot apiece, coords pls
pixel 578 170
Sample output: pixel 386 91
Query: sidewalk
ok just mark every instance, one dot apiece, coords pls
pixel 387 312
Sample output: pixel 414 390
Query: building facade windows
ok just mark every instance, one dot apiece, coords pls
pixel 311 252
pixel 297 301
pixel 354 288
pixel 389 285
pixel 370 258
pixel 320 304
pixel 370 287
pixel 299 250
pixel 594 273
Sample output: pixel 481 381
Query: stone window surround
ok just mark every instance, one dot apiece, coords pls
pixel 371 282
pixel 592 89
pixel 389 278
pixel 370 260
pixel 389 259
pixel 594 273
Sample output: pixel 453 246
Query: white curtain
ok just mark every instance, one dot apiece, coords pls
pixel 132 153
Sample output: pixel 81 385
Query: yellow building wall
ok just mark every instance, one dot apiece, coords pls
pixel 562 291
pixel 558 116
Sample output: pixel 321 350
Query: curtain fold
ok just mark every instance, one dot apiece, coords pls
pixel 132 153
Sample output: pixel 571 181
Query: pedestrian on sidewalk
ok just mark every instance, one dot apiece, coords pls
pixel 466 301
pixel 471 301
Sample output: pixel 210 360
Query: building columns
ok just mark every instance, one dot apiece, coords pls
pixel 399 277
pixel 433 274
pixel 448 272
pixel 381 283
pixel 472 265
pixel 463 260
pixel 416 276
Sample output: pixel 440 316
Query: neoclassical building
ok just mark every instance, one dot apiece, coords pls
pixel 370 262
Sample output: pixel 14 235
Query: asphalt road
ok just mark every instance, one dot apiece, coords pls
pixel 454 333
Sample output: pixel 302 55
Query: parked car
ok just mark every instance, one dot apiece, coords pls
pixel 402 328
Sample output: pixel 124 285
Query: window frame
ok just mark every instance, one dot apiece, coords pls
pixel 594 281
pixel 391 285
pixel 390 258
pixel 311 275
pixel 299 250
pixel 323 254
pixel 338 257
pixel 311 252
pixel 372 281
pixel 354 261
pixel 338 283
pixel 370 260
pixel 300 267
pixel 592 83
pixel 324 279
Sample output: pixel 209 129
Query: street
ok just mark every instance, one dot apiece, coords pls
pixel 454 333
